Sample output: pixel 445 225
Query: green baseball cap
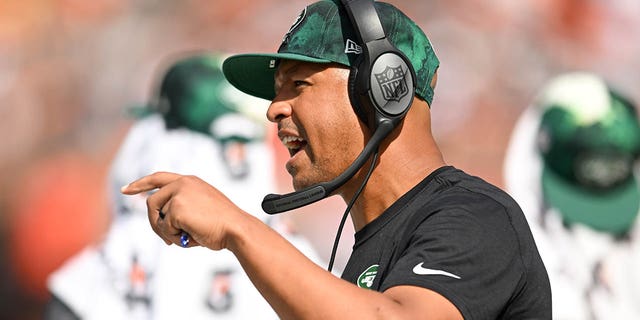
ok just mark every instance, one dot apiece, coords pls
pixel 589 140
pixel 194 94
pixel 323 33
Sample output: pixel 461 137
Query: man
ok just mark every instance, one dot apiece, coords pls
pixel 196 124
pixel 432 242
pixel 570 164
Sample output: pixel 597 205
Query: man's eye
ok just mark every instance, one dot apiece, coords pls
pixel 299 83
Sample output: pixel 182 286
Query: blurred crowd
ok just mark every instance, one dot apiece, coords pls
pixel 69 69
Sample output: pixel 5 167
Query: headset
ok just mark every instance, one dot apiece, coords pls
pixel 381 90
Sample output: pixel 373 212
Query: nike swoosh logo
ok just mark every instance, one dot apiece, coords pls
pixel 419 269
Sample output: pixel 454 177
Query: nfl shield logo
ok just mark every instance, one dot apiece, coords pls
pixel 392 83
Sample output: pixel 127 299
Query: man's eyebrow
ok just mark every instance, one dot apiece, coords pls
pixel 292 68
pixel 284 73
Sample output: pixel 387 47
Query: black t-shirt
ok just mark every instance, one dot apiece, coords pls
pixel 461 237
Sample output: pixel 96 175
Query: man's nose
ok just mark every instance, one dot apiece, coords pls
pixel 278 110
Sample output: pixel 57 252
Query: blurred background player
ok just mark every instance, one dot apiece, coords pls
pixel 572 164
pixel 196 124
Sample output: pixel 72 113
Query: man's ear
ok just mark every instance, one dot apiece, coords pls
pixel 434 81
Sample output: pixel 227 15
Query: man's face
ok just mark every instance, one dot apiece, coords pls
pixel 315 121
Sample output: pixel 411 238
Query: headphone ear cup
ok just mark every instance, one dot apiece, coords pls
pixel 355 96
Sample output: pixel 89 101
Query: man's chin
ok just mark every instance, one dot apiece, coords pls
pixel 299 184
pixel 298 187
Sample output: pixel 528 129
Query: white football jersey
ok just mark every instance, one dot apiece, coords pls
pixel 133 274
pixel 592 275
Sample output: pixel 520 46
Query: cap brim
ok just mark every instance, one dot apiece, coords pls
pixel 613 211
pixel 253 73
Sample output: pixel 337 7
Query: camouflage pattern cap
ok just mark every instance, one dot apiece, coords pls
pixel 323 33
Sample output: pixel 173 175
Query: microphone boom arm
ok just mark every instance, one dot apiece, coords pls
pixel 276 203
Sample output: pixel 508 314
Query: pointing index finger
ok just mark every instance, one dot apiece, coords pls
pixel 150 182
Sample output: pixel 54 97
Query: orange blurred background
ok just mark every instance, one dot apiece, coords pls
pixel 69 68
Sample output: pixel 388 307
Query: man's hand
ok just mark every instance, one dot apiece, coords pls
pixel 187 204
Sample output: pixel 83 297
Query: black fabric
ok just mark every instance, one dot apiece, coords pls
pixel 467 229
pixel 58 310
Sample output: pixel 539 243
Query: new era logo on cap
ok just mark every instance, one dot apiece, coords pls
pixel 352 47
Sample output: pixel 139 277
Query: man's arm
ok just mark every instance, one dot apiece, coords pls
pixel 295 287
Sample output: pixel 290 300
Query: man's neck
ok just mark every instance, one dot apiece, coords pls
pixel 386 186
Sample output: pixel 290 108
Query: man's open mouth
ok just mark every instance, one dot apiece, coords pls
pixel 293 144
